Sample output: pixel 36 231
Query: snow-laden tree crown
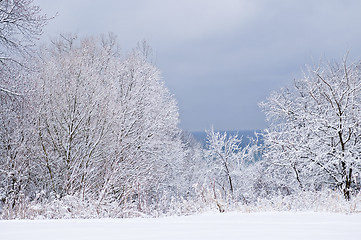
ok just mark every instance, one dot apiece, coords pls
pixel 315 129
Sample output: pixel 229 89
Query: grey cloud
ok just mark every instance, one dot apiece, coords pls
pixel 220 58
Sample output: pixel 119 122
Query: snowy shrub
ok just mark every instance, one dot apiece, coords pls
pixel 321 201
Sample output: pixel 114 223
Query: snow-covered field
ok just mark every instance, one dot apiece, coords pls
pixel 271 225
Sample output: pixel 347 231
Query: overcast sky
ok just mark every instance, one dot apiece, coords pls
pixel 220 57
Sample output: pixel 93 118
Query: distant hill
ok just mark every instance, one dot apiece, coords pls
pixel 245 134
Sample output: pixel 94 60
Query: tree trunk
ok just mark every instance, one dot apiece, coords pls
pixel 347 185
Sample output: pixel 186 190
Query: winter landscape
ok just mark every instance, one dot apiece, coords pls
pixel 95 145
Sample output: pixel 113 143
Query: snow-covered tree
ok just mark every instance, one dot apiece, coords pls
pixel 147 136
pixel 314 138
pixel 232 165
pixel 106 125
pixel 73 100
pixel 15 142
pixel 21 24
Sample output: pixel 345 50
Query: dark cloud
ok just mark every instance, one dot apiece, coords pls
pixel 220 58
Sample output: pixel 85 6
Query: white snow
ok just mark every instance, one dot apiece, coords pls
pixel 234 225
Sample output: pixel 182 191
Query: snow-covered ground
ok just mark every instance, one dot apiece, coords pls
pixel 271 225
